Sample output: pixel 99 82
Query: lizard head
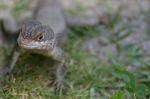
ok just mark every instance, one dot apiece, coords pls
pixel 35 36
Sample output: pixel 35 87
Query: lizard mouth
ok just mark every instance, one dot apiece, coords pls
pixel 34 45
pixel 27 45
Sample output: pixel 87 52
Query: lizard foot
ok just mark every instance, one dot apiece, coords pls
pixel 4 71
pixel 59 84
pixel 1 86
pixel 2 74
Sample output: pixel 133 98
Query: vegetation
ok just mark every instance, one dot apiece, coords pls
pixel 85 75
pixel 125 75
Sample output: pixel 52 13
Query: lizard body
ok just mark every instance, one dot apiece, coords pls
pixel 42 36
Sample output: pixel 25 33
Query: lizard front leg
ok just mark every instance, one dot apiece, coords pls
pixel 59 57
pixel 11 63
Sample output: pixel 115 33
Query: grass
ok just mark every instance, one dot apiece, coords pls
pixel 86 76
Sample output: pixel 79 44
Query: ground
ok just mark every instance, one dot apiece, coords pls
pixel 106 61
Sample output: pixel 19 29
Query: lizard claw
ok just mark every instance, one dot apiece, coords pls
pixel 59 84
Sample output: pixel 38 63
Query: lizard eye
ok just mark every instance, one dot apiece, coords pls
pixel 41 37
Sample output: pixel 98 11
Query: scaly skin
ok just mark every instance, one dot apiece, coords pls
pixel 42 35
pixel 40 39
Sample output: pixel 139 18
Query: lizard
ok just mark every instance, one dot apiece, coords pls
pixel 42 35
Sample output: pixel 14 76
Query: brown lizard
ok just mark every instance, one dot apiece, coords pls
pixel 43 35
